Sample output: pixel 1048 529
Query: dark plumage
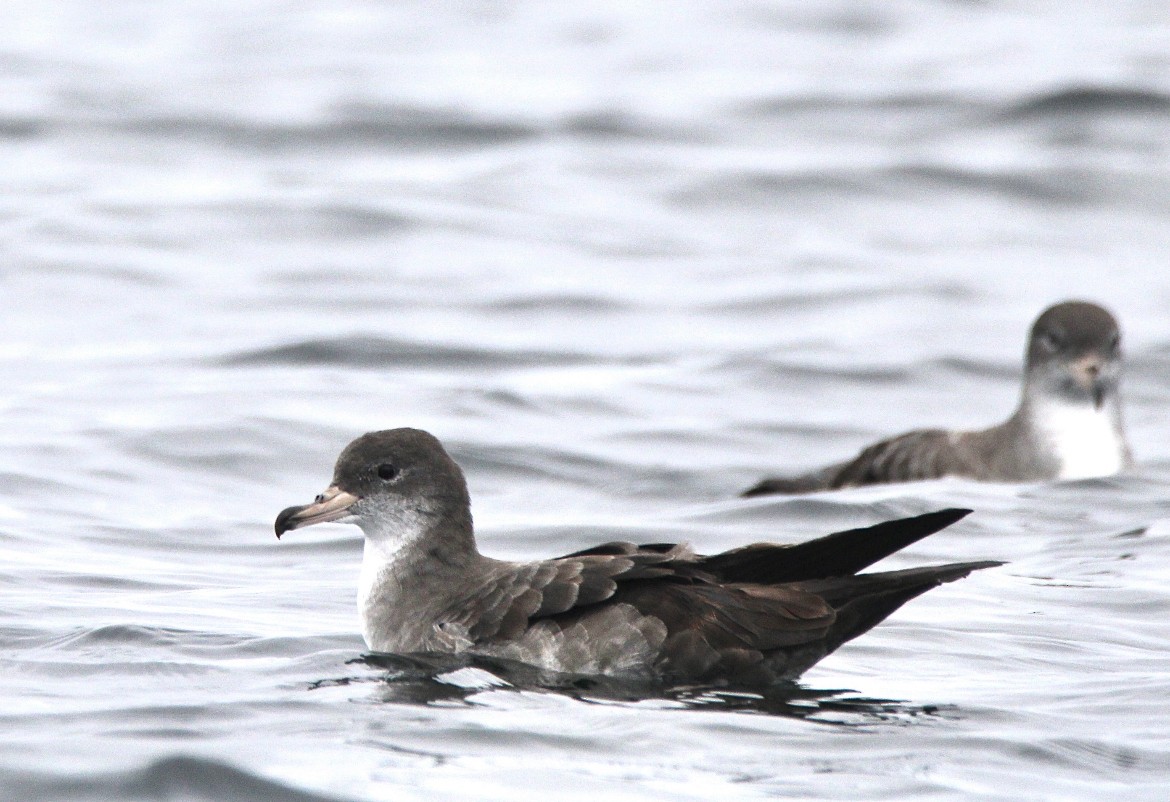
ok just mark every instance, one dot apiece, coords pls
pixel 756 614
pixel 1068 424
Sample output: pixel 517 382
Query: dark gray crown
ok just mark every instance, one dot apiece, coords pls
pixel 404 461
pixel 1072 329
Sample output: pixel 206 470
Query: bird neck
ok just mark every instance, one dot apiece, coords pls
pixel 419 534
pixel 411 569
pixel 1083 439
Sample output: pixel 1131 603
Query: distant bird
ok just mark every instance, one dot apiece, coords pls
pixel 1068 424
pixel 756 614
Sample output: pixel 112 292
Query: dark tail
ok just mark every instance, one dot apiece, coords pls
pixel 788 485
pixel 837 555
pixel 862 602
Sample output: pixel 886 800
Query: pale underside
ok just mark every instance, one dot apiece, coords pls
pixel 1084 440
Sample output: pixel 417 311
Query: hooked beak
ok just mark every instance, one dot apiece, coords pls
pixel 331 505
pixel 1086 372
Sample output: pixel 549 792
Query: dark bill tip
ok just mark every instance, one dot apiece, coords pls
pixel 1098 394
pixel 332 505
pixel 285 522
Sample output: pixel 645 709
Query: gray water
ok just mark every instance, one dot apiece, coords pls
pixel 624 261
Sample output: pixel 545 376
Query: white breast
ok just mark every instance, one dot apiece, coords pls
pixel 1086 441
pixel 377 590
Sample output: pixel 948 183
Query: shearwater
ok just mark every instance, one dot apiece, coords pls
pixel 756 614
pixel 1068 424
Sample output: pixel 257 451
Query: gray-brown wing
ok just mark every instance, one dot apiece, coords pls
pixel 513 595
pixel 838 554
pixel 922 454
pixel 753 633
pixel 757 617
pixel 768 632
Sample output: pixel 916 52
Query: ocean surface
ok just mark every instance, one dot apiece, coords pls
pixel 624 260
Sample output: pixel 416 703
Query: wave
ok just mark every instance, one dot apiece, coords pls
pixel 384 352
pixel 1059 100
pixel 369 125
pixel 194 779
pixel 1060 186
pixel 1094 100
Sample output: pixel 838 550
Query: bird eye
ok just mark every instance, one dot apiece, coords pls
pixel 1049 341
pixel 1115 343
pixel 386 471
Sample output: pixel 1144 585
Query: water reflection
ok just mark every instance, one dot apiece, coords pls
pixel 434 679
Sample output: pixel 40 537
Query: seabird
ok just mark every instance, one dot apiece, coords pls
pixel 756 614
pixel 1068 424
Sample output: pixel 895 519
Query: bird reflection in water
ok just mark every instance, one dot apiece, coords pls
pixel 444 679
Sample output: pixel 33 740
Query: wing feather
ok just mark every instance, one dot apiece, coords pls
pixel 913 456
pixel 513 595
pixel 688 615
pixel 922 454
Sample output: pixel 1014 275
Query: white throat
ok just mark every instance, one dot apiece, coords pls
pixel 1086 441
pixel 378 561
pixel 385 548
